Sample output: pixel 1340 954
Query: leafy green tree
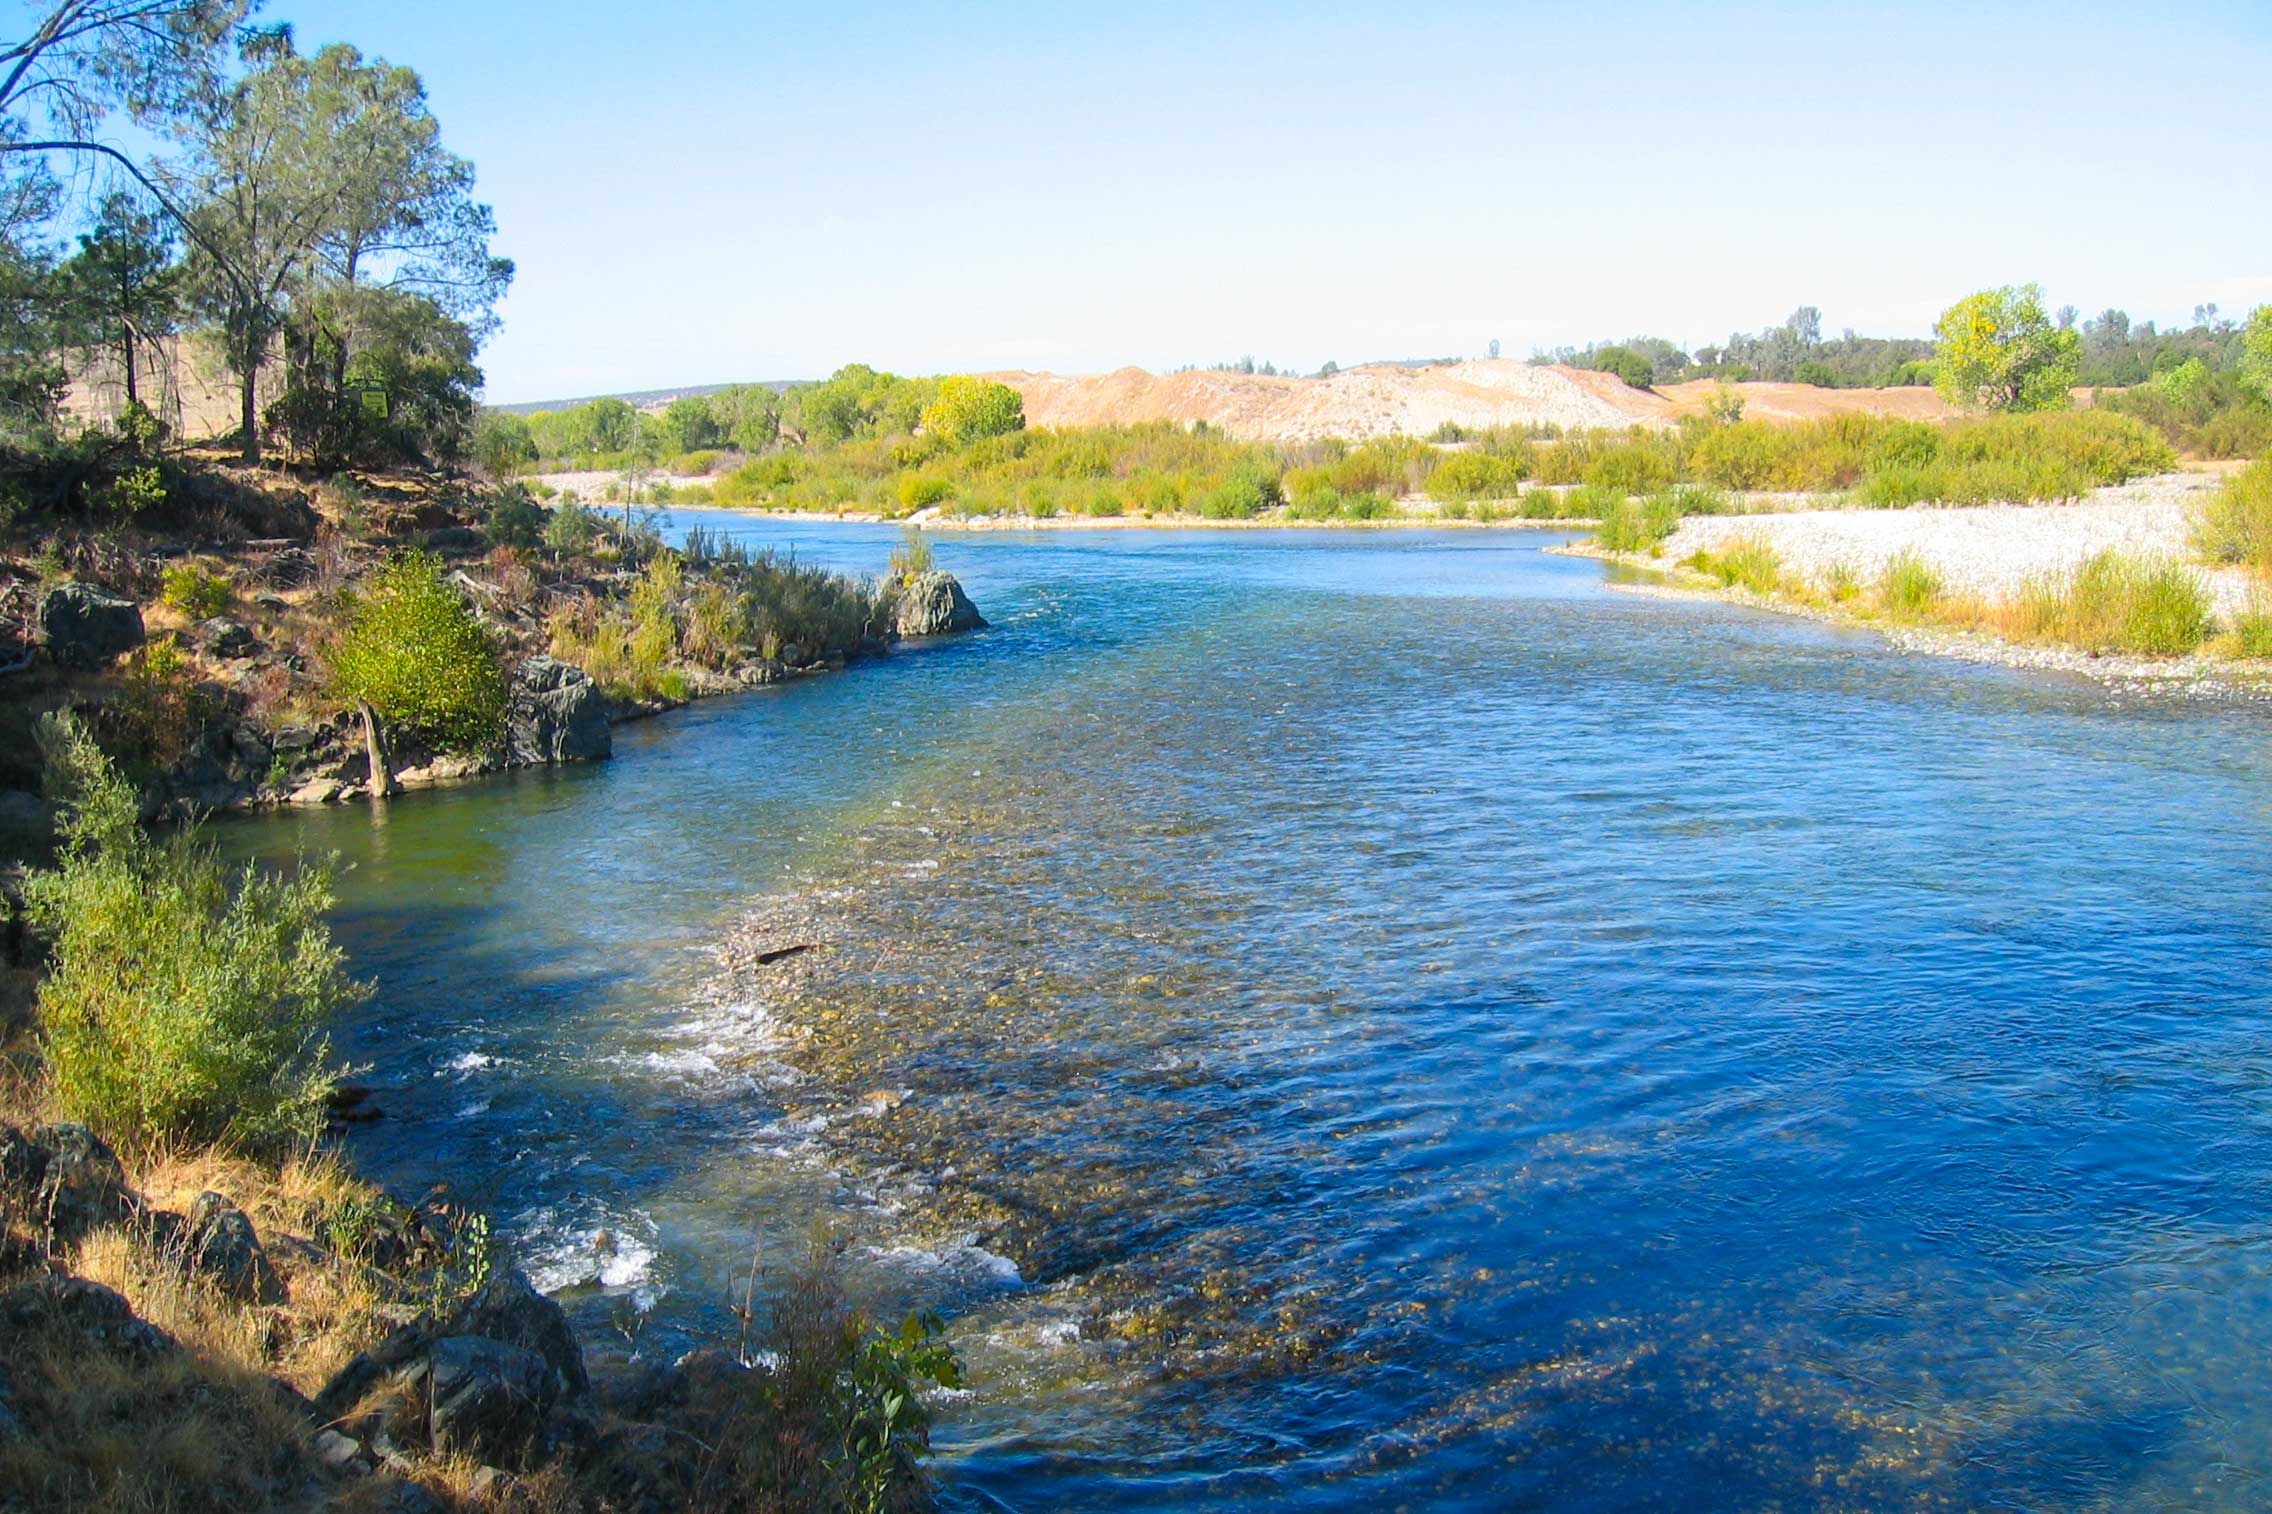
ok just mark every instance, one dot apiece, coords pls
pixel 689 424
pixel 2256 351
pixel 184 998
pixel 125 281
pixel 414 655
pixel 503 444
pixel 969 409
pixel 748 415
pixel 1999 350
pixel 325 203
pixel 602 425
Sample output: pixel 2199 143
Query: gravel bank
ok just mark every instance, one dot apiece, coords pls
pixel 1989 550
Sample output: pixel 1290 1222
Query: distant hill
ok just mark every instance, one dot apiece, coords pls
pixel 640 399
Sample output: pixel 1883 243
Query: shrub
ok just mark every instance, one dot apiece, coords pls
pixel 970 409
pixel 160 705
pixel 916 490
pixel 1910 585
pixel 194 592
pixel 2235 524
pixel 413 651
pixel 1476 475
pixel 184 999
pixel 1638 526
pixel 515 519
pixel 1329 503
pixel 1244 493
pixel 136 490
pixel 2250 634
pixel 572 528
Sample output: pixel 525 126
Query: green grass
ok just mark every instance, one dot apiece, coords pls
pixel 2235 524
pixel 1909 585
pixel 1746 562
pixel 2115 602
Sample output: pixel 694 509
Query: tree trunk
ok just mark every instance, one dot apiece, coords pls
pixel 252 412
pixel 132 397
pixel 382 782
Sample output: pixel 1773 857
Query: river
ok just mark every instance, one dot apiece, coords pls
pixel 1381 1019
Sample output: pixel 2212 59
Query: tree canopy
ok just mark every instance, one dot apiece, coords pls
pixel 969 409
pixel 1998 350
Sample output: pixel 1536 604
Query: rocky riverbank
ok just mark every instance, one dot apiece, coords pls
pixel 231 709
pixel 322 1345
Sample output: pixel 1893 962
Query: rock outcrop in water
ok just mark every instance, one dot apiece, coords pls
pixel 556 714
pixel 933 604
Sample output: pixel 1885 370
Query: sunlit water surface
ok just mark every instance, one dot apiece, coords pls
pixel 1382 1019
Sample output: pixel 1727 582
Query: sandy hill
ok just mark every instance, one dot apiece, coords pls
pixel 1381 399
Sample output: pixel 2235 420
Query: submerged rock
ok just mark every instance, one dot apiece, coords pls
pixel 556 714
pixel 87 627
pixel 933 604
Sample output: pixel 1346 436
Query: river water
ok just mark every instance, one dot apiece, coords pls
pixel 1382 1019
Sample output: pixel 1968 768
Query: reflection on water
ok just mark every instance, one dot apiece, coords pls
pixel 1360 1017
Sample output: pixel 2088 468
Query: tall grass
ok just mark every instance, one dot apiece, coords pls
pixel 1911 586
pixel 2235 524
pixel 1745 562
pixel 2115 602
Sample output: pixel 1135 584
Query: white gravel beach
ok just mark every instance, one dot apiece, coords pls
pixel 1990 550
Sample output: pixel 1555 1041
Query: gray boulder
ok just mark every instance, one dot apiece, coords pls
pixel 88 627
pixel 487 1399
pixel 102 1318
pixel 224 637
pixel 508 1309
pixel 933 604
pixel 228 1250
pixel 556 714
pixel 63 1177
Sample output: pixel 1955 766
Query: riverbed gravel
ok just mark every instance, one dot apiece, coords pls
pixel 1989 550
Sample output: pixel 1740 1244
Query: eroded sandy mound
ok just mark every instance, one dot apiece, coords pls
pixel 1804 402
pixel 1383 399
pixel 1370 401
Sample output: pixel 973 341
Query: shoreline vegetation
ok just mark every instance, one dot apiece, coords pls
pixel 2172 590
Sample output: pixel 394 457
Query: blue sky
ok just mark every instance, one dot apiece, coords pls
pixel 700 192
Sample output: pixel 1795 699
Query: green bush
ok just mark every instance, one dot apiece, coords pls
pixel 916 490
pixel 184 999
pixel 413 651
pixel 1243 494
pixel 1476 475
pixel 136 490
pixel 571 528
pixel 2235 524
pixel 515 519
pixel 1638 526
pixel 195 592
